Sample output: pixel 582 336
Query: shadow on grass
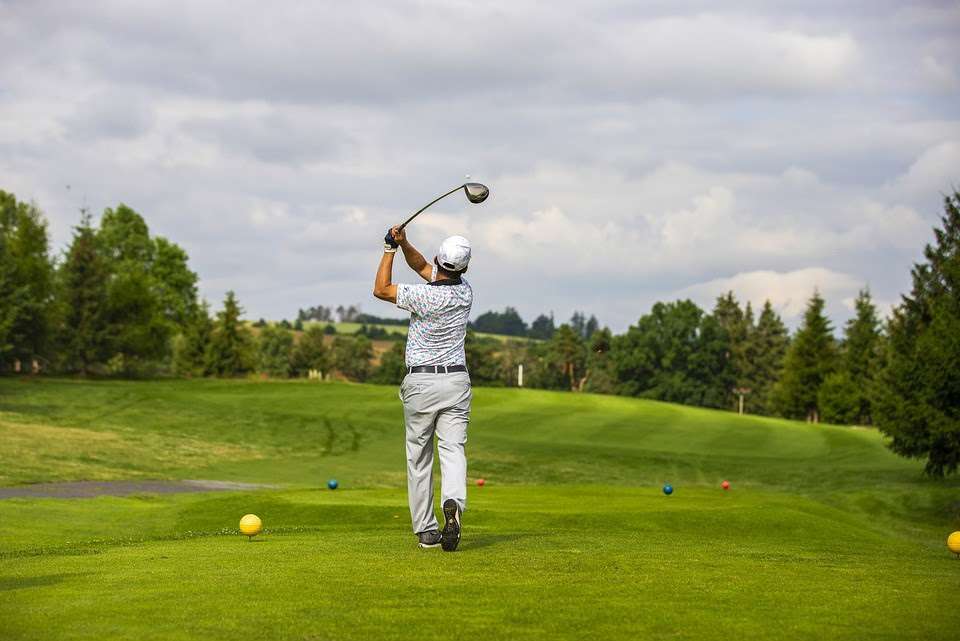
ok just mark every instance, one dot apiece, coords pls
pixel 12 583
pixel 483 541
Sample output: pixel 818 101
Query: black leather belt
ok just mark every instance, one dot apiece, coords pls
pixel 436 369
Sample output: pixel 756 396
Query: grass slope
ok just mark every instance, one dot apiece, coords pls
pixel 825 534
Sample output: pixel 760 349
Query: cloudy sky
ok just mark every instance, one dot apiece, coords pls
pixel 635 151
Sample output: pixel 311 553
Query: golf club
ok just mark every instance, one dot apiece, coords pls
pixel 476 193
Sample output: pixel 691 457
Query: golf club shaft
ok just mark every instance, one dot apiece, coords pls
pixel 422 209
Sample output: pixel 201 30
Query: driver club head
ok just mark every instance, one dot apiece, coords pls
pixel 476 193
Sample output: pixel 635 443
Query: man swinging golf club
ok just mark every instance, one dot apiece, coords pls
pixel 436 390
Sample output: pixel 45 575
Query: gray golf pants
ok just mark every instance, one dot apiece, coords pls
pixel 435 404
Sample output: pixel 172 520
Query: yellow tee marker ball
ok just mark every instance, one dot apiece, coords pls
pixel 953 542
pixel 251 525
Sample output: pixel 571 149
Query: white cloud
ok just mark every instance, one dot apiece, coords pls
pixel 788 292
pixel 937 170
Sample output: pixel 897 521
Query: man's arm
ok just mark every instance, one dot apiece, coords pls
pixel 414 258
pixel 382 287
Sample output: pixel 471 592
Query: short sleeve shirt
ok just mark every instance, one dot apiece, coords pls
pixel 438 321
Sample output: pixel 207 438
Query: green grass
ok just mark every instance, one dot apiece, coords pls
pixel 351 328
pixel 825 533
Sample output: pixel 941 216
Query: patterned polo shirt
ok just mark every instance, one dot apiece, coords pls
pixel 438 321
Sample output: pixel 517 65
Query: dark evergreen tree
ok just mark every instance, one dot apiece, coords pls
pixel 733 320
pixel 917 395
pixel 507 322
pixel 591 326
pixel 861 347
pixel 230 351
pixel 190 346
pixel 83 335
pixel 542 327
pixel 710 366
pixel 578 323
pixel 811 357
pixel 839 399
pixel 568 353
pixel 763 357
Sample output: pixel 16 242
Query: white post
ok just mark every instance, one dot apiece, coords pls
pixel 741 404
pixel 520 375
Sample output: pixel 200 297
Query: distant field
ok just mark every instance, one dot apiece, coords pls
pixel 350 328
pixel 825 534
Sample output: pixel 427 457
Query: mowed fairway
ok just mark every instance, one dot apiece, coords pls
pixel 824 534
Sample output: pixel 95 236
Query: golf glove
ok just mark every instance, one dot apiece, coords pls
pixel 388 240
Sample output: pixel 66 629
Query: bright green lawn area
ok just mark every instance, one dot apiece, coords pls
pixel 351 328
pixel 825 533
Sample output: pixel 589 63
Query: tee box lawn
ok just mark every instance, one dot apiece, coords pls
pixel 824 533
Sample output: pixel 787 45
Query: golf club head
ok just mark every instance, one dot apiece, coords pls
pixel 476 193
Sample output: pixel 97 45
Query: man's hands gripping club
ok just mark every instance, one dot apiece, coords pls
pixel 383 287
pixel 398 238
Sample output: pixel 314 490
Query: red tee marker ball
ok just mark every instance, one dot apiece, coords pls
pixel 481 482
pixel 725 485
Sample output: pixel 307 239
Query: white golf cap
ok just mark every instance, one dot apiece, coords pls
pixel 454 254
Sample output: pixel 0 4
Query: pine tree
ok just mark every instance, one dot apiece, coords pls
pixel 839 398
pixel 578 323
pixel 916 400
pixel 733 320
pixel 83 336
pixel 763 358
pixel 569 354
pixel 861 345
pixel 811 357
pixel 592 326
pixel 543 327
pixel 230 351
pixel 190 347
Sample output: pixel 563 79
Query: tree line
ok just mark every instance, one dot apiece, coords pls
pixel 120 301
pixel 509 323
